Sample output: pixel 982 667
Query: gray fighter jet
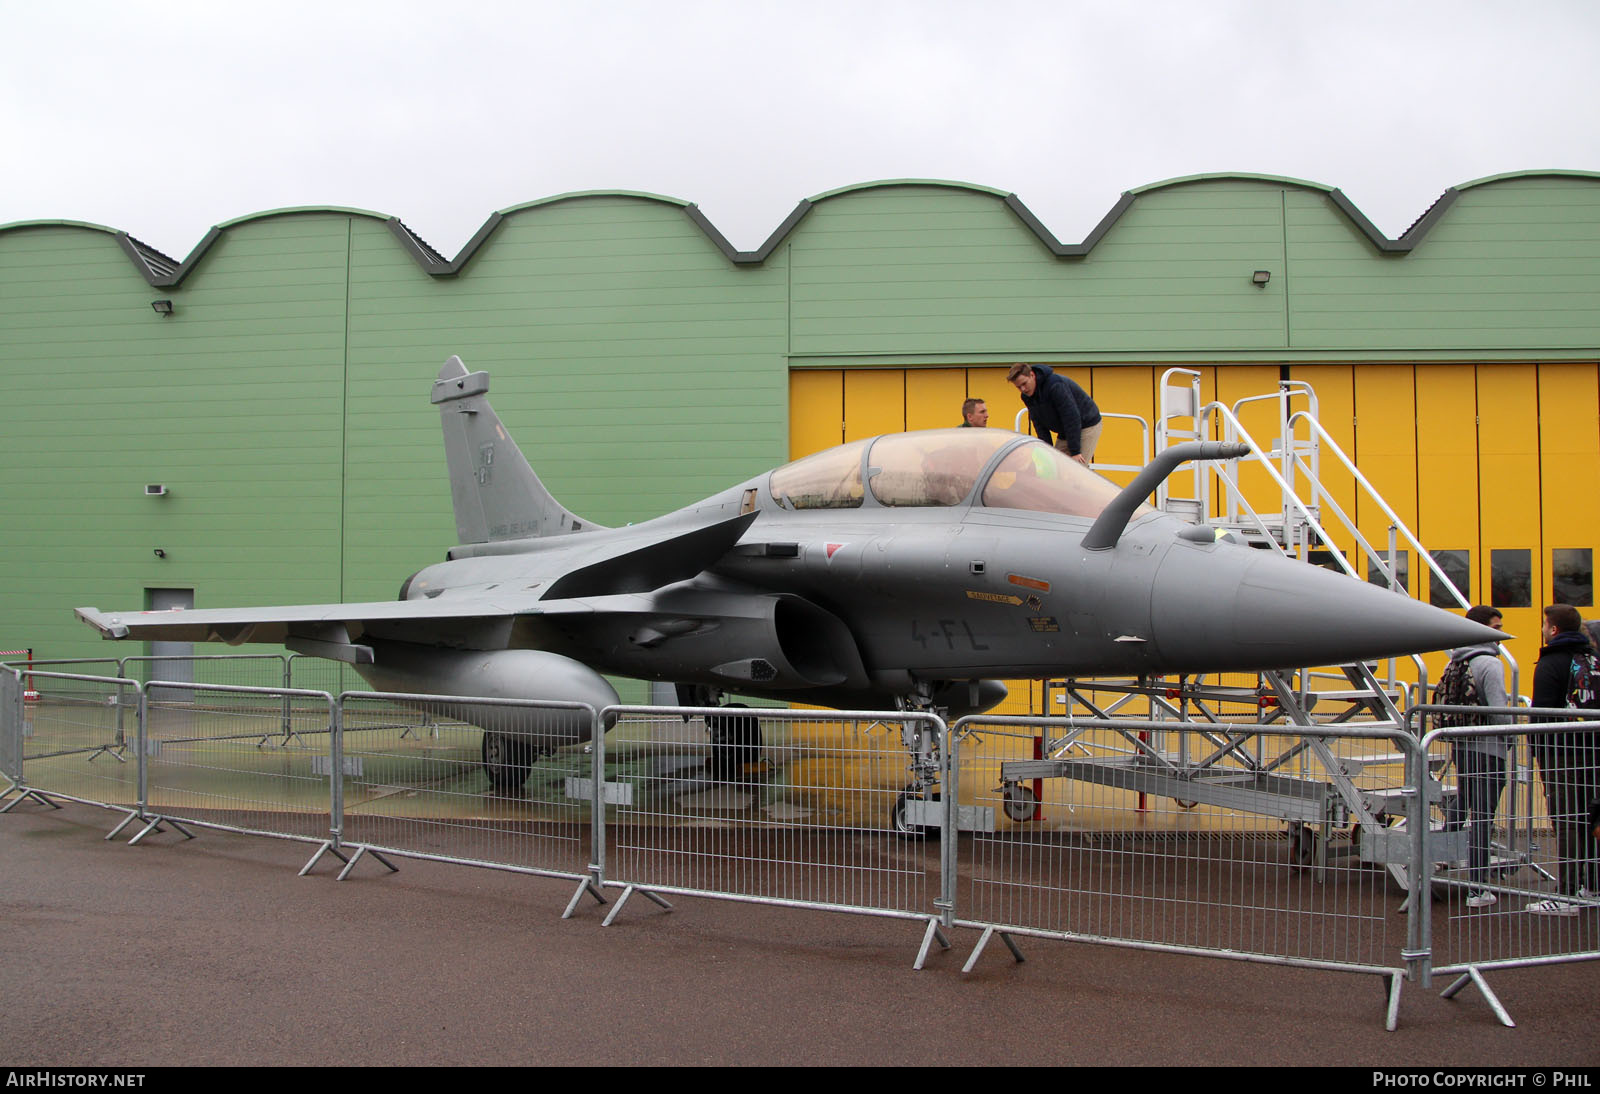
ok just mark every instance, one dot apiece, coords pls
pixel 907 571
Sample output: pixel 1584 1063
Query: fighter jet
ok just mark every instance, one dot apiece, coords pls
pixel 906 571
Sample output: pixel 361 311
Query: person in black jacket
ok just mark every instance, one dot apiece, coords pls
pixel 1567 762
pixel 1059 406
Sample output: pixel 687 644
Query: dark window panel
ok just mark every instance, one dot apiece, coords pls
pixel 1572 576
pixel 1328 560
pixel 1457 566
pixel 1402 568
pixel 1511 577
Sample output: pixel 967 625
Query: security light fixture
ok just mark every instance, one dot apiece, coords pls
pixel 1260 277
pixel 162 307
pixel 155 490
pixel 160 553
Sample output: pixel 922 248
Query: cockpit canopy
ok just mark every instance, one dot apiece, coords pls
pixel 944 467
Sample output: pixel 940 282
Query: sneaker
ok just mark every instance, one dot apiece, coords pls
pixel 1552 907
pixel 1480 898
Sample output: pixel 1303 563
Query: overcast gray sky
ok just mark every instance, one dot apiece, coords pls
pixel 163 119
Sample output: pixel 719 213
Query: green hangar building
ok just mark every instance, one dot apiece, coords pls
pixel 251 424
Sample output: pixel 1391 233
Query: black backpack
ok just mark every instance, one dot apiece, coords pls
pixel 1583 682
pixel 1457 688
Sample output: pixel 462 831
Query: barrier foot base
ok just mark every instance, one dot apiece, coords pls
pixel 355 858
pixel 155 826
pixel 983 940
pixel 587 885
pixel 1472 975
pixel 1391 990
pixel 326 847
pixel 133 815
pixel 24 796
pixel 933 932
pixel 623 899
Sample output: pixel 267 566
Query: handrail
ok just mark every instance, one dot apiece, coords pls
pixel 1399 526
pixel 1144 440
pixel 1291 500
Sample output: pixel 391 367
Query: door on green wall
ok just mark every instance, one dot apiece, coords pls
pixel 160 600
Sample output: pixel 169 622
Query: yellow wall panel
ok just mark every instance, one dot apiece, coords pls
pixel 1569 451
pixel 874 402
pixel 1508 498
pixel 816 411
pixel 1386 451
pixel 934 397
pixel 1447 470
pixel 1125 390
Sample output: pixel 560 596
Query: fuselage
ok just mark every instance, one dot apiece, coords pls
pixel 870 574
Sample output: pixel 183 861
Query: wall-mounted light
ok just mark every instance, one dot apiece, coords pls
pixel 155 490
pixel 162 308
pixel 1260 278
pixel 160 553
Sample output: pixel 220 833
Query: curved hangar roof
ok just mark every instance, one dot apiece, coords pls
pixel 163 271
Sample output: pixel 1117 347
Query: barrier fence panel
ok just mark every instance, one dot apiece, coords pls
pixel 821 809
pixel 77 739
pixel 1523 887
pixel 11 718
pixel 243 759
pixel 1231 840
pixel 513 796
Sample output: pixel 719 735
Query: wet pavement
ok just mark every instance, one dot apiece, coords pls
pixel 213 951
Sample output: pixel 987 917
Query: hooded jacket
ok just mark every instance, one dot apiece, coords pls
pixel 1483 663
pixel 1058 405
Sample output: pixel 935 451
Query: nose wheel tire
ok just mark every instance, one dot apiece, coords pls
pixel 900 821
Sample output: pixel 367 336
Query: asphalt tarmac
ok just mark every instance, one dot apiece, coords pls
pixel 213 951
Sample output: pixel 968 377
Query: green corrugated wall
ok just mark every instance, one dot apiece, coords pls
pixel 285 403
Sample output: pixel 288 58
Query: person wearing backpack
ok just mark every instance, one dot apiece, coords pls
pixel 1474 678
pixel 1567 675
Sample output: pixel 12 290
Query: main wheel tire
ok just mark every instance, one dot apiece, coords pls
pixel 735 742
pixel 506 760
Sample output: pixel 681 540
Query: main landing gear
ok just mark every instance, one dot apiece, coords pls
pixel 735 739
pixel 735 744
pixel 507 759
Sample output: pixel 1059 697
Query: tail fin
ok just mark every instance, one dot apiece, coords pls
pixel 496 494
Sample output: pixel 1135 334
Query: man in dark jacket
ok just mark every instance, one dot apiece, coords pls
pixel 1567 761
pixel 1059 406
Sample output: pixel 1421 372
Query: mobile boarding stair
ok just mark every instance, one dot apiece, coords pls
pixel 1264 755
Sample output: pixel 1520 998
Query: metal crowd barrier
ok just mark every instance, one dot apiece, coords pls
pixel 1226 840
pixel 72 741
pixel 1335 847
pixel 812 809
pixel 240 759
pixel 1530 896
pixel 518 797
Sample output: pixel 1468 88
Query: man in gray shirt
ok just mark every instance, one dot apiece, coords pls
pixel 1480 761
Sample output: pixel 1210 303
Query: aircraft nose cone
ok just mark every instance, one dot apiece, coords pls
pixel 1227 608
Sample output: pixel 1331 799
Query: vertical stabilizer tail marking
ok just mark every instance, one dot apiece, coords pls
pixel 495 492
